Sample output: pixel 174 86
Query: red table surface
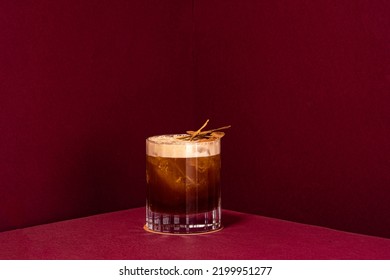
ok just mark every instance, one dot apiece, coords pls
pixel 120 235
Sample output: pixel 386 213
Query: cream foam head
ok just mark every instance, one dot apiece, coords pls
pixel 171 147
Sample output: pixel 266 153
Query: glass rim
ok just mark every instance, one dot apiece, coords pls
pixel 179 142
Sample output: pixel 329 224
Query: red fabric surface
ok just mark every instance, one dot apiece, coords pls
pixel 120 235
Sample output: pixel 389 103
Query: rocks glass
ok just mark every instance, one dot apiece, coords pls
pixel 183 191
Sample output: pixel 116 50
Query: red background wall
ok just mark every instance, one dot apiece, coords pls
pixel 306 87
pixel 82 83
pixel 304 84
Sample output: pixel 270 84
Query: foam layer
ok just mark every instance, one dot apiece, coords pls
pixel 171 147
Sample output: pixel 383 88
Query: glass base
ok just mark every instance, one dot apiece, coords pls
pixel 183 224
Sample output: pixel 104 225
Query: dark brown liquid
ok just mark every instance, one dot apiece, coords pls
pixel 183 185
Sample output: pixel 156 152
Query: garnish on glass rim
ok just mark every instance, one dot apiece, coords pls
pixel 204 135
